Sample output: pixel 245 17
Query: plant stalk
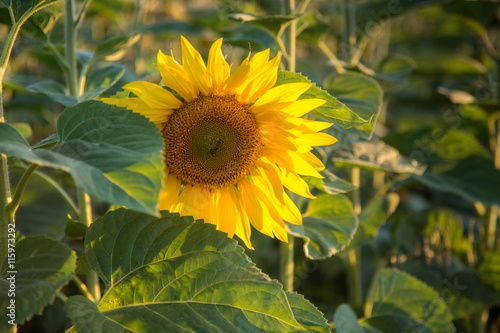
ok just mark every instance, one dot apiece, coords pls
pixel 84 203
pixel 353 255
pixel 287 249
pixel 12 207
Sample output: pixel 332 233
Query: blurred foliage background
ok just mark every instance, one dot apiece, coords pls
pixel 438 64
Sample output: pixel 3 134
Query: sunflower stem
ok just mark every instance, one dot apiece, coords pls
pixel 12 207
pixel 84 203
pixel 287 249
pixel 353 255
pixel 287 263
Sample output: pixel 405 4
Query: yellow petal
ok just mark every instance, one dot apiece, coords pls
pixel 260 78
pixel 273 189
pixel 175 77
pixel 227 217
pixel 238 76
pixel 313 161
pixel 158 116
pixel 309 126
pixel 153 95
pixel 294 183
pixel 217 67
pixel 260 211
pixel 195 67
pixel 194 201
pixel 303 106
pixel 169 192
pixel 242 230
pixel 281 96
pixel 315 139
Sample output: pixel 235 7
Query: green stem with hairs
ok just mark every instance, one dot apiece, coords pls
pixel 353 259
pixel 287 249
pixel 85 206
pixel 12 207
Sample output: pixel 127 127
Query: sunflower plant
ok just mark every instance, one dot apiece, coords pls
pixel 195 173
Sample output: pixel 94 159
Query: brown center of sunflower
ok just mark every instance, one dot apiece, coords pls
pixel 211 141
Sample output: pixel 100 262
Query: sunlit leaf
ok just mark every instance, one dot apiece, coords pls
pixel 112 153
pixel 114 48
pixel 24 129
pixel 332 110
pixel 330 184
pixel 41 266
pixel 401 303
pixel 327 227
pixel 54 90
pixel 489 269
pixel 101 80
pixel 375 155
pixel 447 226
pixel 173 274
pixel 359 93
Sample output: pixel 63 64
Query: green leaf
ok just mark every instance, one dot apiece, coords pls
pixel 359 93
pixel 48 142
pixel 489 269
pixel 43 266
pixel 271 24
pixel 442 150
pixel 327 227
pixel 394 68
pixel 332 110
pixel 75 229
pixel 307 314
pixel 172 274
pixel 474 178
pixel 24 129
pixel 401 303
pixel 330 184
pixel 87 318
pixel 375 155
pixel 101 80
pixel 113 154
pixel 448 225
pixel 54 90
pixel 346 320
pixel 114 49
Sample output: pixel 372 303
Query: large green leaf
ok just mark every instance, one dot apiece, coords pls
pixel 375 155
pixel 474 178
pixel 172 274
pixel 307 314
pixel 54 90
pixel 330 184
pixel 327 227
pixel 101 80
pixel 359 93
pixel 401 303
pixel 40 268
pixel 112 153
pixel 489 269
pixel 332 110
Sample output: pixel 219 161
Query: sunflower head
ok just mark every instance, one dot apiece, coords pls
pixel 232 140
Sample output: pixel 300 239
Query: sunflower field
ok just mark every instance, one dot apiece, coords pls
pixel 250 166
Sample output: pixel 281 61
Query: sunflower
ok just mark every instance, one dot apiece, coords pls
pixel 232 140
